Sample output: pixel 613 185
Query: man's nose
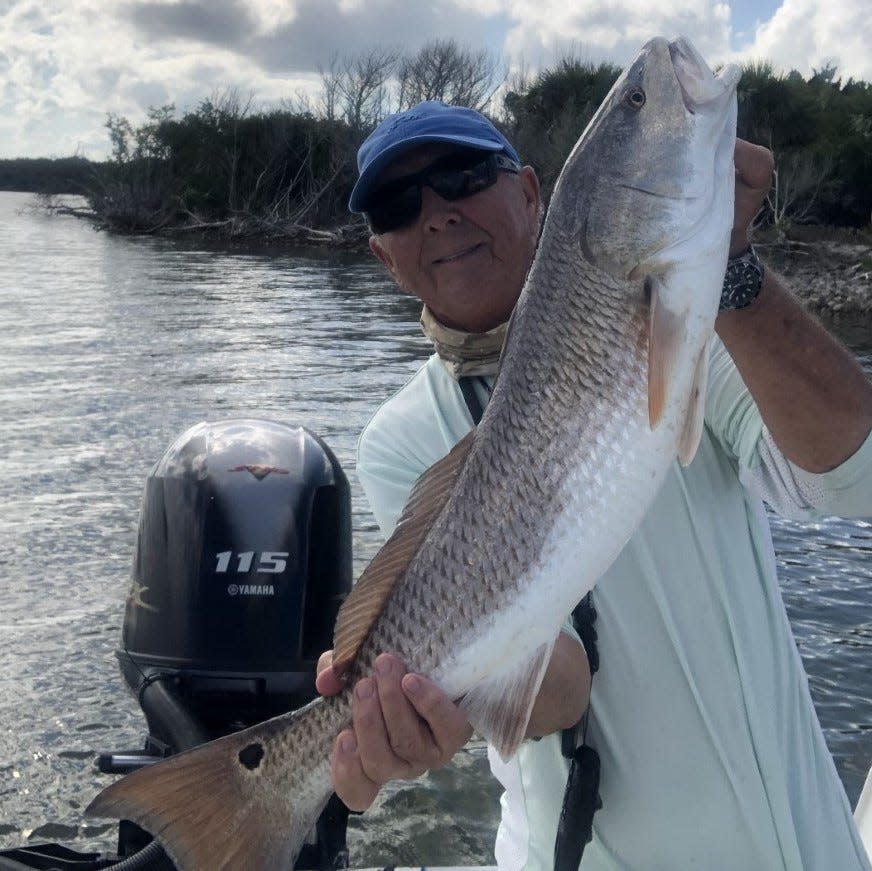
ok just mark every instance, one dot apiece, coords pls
pixel 436 212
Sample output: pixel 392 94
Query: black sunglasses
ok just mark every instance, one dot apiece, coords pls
pixel 458 175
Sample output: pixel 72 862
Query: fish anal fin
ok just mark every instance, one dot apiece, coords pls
pixel 691 433
pixel 499 707
pixel 665 333
pixel 367 599
pixel 222 806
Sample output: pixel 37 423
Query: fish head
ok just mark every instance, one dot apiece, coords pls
pixel 650 181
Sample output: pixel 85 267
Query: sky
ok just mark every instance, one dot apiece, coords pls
pixel 65 64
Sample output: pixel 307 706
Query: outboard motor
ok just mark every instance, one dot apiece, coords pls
pixel 242 560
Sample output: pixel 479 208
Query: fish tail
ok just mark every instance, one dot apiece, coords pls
pixel 241 803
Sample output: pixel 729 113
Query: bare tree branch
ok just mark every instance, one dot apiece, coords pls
pixel 442 70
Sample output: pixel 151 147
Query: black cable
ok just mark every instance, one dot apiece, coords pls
pixel 581 799
pixel 152 857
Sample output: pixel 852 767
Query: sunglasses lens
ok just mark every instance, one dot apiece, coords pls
pixel 454 177
pixel 395 210
pixel 455 184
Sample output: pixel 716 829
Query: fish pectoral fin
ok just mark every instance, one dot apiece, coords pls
pixel 691 433
pixel 499 706
pixel 665 333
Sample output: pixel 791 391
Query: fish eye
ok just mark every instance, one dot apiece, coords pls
pixel 635 98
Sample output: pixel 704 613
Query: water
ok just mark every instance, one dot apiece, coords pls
pixel 112 347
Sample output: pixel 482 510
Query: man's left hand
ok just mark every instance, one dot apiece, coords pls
pixel 754 169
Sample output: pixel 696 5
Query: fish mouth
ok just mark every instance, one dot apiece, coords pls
pixel 700 87
pixel 674 193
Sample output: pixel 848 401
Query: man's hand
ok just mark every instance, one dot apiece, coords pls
pixel 403 725
pixel 754 168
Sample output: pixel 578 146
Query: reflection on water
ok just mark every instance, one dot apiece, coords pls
pixel 112 348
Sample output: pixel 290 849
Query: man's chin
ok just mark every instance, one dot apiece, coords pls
pixel 465 312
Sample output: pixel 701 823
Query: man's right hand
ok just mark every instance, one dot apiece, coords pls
pixel 402 726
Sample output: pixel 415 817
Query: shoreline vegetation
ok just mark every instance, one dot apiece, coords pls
pixel 829 271
pixel 228 173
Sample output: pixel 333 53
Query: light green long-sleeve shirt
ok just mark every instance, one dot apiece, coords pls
pixel 712 755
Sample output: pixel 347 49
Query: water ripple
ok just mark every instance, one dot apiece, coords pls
pixel 113 347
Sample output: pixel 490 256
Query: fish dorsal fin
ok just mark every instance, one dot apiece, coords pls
pixel 366 600
pixel 691 433
pixel 664 338
pixel 499 707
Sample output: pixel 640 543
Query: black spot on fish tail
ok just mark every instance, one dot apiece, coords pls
pixel 251 755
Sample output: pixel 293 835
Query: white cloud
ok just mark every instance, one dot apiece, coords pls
pixel 612 29
pixel 809 34
pixel 66 63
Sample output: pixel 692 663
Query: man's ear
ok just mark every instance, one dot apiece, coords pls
pixel 532 194
pixel 381 252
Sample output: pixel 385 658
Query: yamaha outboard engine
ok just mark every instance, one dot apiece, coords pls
pixel 242 560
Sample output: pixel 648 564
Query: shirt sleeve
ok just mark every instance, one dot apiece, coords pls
pixel 412 430
pixel 387 474
pixel 734 420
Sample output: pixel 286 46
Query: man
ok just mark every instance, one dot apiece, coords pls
pixel 711 753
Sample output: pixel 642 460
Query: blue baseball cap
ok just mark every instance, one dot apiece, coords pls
pixel 429 121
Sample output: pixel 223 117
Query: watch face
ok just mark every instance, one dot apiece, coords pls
pixel 742 281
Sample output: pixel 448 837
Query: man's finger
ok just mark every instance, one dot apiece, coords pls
pixel 410 738
pixel 325 660
pixel 754 165
pixel 326 680
pixel 377 757
pixel 350 782
pixel 448 725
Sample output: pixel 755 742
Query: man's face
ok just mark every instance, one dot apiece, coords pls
pixel 466 259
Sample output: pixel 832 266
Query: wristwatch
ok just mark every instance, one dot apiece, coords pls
pixel 742 280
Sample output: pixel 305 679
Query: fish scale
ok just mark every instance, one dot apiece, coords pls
pixel 601 384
